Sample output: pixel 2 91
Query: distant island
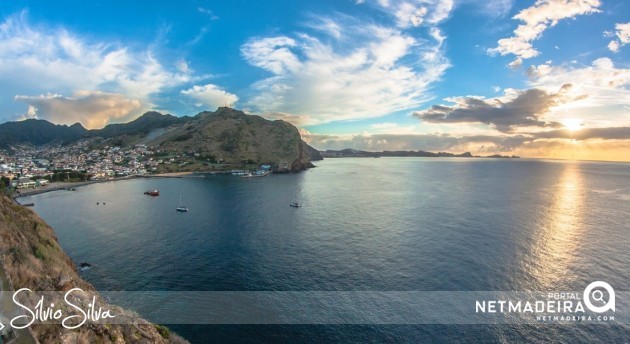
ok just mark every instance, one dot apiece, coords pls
pixel 353 153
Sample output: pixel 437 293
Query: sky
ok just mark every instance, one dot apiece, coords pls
pixel 534 78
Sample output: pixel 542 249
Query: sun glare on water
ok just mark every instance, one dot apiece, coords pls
pixel 573 124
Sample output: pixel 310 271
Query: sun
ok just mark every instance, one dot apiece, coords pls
pixel 573 124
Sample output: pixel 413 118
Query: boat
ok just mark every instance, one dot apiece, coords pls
pixel 154 192
pixel 259 173
pixel 180 207
pixel 295 205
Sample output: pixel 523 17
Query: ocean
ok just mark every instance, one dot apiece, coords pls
pixel 369 225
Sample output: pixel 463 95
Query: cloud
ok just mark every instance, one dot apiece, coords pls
pixel 600 91
pixel 207 12
pixel 93 109
pixel 38 59
pixel 514 109
pixel 413 142
pixel 538 18
pixel 414 13
pixel 622 31
pixel 326 25
pixel 613 46
pixel 183 67
pixel 372 72
pixel 496 8
pixel 612 133
pixel 31 113
pixel 210 95
pixel 273 54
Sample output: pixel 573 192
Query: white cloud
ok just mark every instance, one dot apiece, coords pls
pixel 538 18
pixel 326 25
pixel 31 112
pixel 183 67
pixel 601 90
pixel 380 71
pixel 414 13
pixel 623 37
pixel 38 59
pixel 210 95
pixel 623 32
pixel 613 46
pixel 90 108
pixel 208 12
pixel 272 54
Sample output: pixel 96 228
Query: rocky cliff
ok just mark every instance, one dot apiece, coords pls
pixel 231 136
pixel 32 258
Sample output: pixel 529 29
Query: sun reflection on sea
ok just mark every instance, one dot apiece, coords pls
pixel 560 229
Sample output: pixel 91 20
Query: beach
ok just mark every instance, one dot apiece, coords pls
pixel 56 186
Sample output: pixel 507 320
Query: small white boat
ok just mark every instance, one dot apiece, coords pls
pixel 180 207
pixel 295 205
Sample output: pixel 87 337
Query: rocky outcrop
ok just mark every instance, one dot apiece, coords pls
pixel 32 258
pixel 231 136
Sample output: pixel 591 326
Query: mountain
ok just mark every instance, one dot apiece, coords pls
pixel 30 257
pixel 38 132
pixel 353 153
pixel 142 125
pixel 232 136
pixel 226 135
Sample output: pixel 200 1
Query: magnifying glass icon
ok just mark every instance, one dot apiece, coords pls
pixel 598 295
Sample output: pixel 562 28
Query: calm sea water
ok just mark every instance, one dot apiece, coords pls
pixel 389 224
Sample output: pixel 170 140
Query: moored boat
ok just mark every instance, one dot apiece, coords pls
pixel 181 207
pixel 259 173
pixel 154 192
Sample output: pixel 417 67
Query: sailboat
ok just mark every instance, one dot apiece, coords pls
pixel 180 207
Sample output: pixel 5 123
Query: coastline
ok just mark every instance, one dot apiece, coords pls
pixel 57 186
pixel 32 258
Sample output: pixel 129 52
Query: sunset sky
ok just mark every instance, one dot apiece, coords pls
pixel 546 78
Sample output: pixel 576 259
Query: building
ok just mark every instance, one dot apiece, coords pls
pixel 24 183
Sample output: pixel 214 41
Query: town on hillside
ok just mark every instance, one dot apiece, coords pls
pixel 33 167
